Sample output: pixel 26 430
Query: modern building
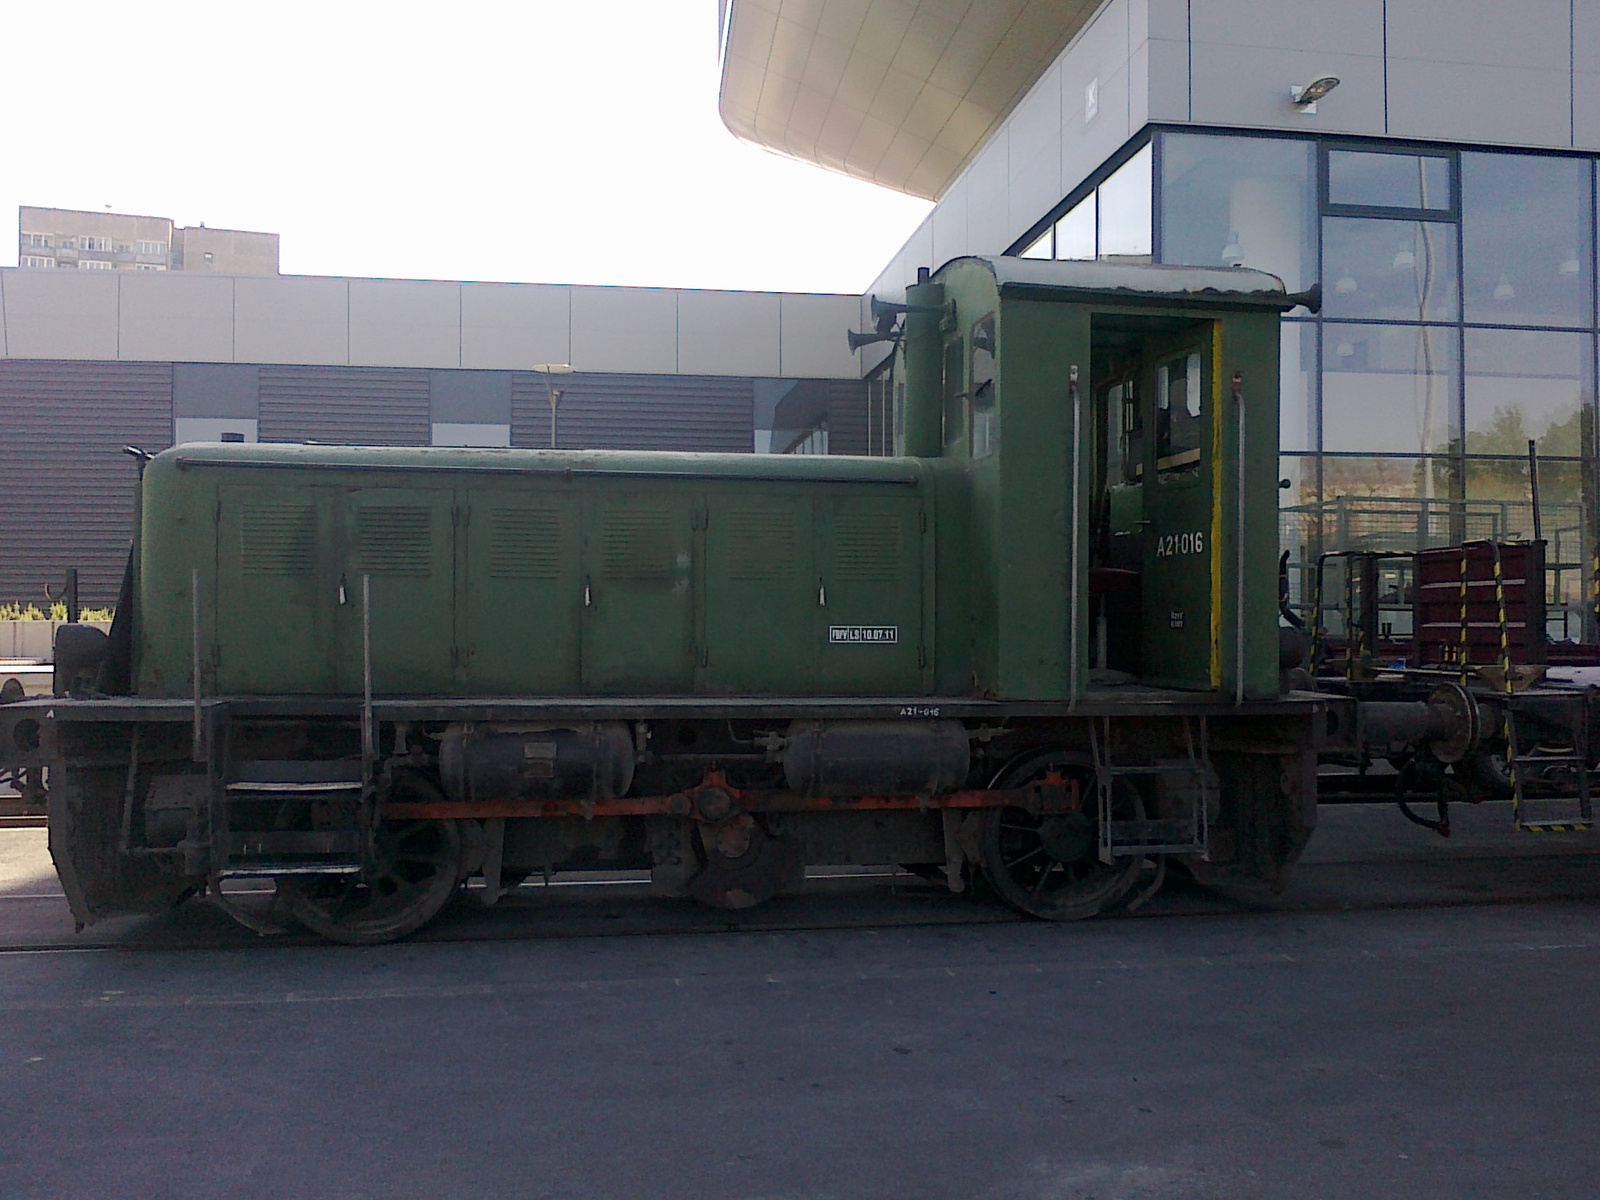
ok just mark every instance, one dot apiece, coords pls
pixel 92 361
pixel 1437 180
pixel 54 238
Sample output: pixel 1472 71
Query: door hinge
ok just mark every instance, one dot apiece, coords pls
pixel 922 519
pixel 700 518
pixel 922 656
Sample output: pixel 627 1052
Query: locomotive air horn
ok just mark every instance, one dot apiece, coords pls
pixel 858 340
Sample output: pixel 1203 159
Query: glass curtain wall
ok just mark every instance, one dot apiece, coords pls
pixel 1458 325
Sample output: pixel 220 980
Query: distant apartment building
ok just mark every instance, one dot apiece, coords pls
pixel 52 238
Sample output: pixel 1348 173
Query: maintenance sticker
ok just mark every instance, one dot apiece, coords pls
pixel 882 635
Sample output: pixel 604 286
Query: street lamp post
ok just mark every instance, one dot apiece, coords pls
pixel 552 393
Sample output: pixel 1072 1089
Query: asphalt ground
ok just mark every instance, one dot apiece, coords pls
pixel 1412 1018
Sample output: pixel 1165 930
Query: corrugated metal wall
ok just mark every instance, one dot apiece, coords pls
pixel 345 406
pixel 635 412
pixel 66 487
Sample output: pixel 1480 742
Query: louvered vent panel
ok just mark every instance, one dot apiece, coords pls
pixel 278 540
pixel 636 545
pixel 524 544
pixel 760 545
pixel 866 547
pixel 394 541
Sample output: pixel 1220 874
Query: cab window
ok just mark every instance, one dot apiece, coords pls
pixel 955 396
pixel 1179 412
pixel 981 393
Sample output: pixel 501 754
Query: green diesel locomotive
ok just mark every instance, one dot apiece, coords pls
pixel 1040 643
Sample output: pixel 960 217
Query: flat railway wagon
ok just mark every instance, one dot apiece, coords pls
pixel 1042 643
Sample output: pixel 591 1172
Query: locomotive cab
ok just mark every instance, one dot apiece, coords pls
pixel 1119 425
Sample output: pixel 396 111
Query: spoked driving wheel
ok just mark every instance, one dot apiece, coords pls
pixel 419 865
pixel 1049 866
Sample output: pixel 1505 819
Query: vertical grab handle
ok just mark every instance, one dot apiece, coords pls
pixel 198 740
pixel 1238 548
pixel 1073 683
pixel 369 741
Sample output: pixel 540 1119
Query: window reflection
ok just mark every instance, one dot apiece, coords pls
pixel 1378 180
pixel 1378 476
pixel 1526 246
pixel 1522 384
pixel 1125 210
pixel 1382 503
pixel 1388 388
pixel 1297 375
pixel 1075 231
pixel 1039 249
pixel 1389 270
pixel 1239 202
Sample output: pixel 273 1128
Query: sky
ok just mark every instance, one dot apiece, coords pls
pixel 549 141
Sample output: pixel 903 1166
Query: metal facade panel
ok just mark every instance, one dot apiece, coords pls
pixel 68 490
pixel 635 412
pixel 345 406
pixel 181 318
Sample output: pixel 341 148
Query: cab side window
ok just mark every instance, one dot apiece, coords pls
pixel 982 435
pixel 1180 409
pixel 955 395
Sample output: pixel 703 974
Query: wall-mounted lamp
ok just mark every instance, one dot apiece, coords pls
pixel 1305 98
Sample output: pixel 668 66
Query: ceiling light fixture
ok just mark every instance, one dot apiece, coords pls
pixel 1569 265
pixel 1233 253
pixel 1345 284
pixel 1503 290
pixel 1404 260
pixel 1305 98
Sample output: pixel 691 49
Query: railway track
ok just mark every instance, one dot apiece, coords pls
pixel 37 922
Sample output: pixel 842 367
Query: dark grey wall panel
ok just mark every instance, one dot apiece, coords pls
pixel 345 406
pixel 66 487
pixel 225 390
pixel 471 397
pixel 635 412
pixel 842 403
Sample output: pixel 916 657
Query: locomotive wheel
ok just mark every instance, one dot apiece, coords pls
pixel 419 867
pixel 1049 866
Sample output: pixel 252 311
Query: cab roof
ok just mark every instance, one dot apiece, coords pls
pixel 1231 287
